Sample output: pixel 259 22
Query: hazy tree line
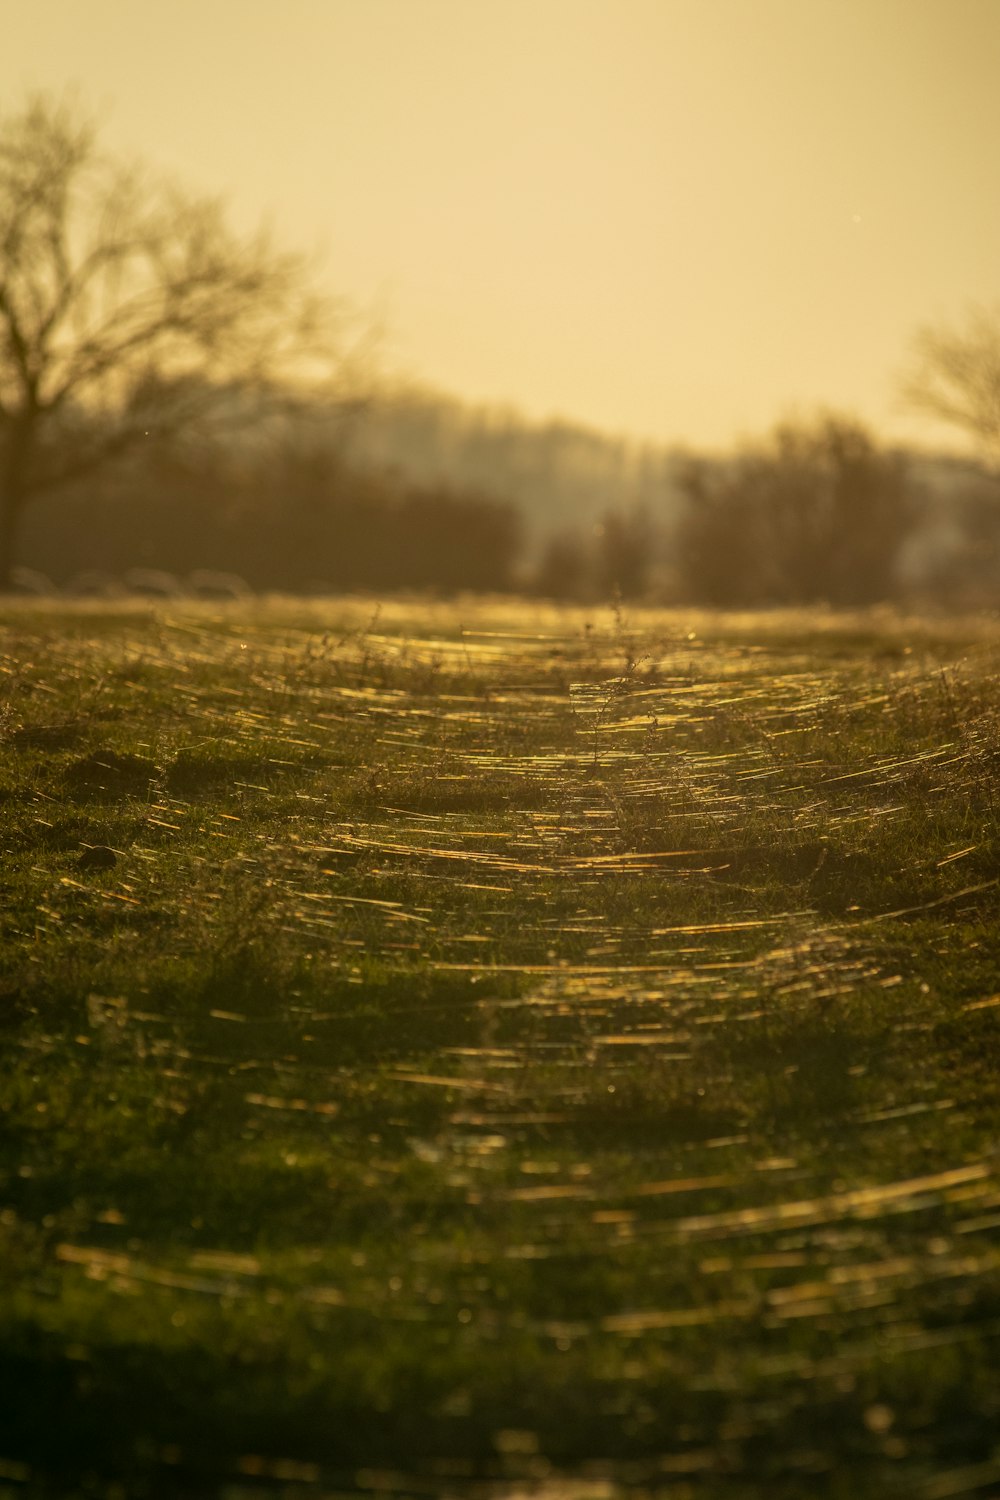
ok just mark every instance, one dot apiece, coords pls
pixel 561 473
pixel 818 511
pixel 174 396
pixel 291 519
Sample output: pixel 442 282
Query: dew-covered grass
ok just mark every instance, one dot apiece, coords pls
pixel 484 1049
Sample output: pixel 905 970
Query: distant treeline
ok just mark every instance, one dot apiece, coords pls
pixel 425 494
pixel 559 473
pixel 297 522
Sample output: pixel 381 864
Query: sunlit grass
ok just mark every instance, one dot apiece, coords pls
pixel 487 1044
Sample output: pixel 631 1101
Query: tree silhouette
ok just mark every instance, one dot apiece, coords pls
pixel 129 311
pixel 955 377
pixel 816 512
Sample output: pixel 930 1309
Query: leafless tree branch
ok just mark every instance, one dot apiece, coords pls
pixel 129 308
pixel 955 377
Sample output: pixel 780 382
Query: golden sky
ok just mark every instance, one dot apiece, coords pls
pixel 680 219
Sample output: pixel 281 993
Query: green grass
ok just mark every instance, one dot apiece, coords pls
pixel 510 1050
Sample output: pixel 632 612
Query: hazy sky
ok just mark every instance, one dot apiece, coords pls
pixel 675 218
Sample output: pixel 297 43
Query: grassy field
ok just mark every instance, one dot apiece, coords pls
pixel 489 1050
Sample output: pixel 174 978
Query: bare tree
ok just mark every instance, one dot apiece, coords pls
pixel 955 377
pixel 129 311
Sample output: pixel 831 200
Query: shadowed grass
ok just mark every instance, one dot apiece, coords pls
pixel 506 1049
